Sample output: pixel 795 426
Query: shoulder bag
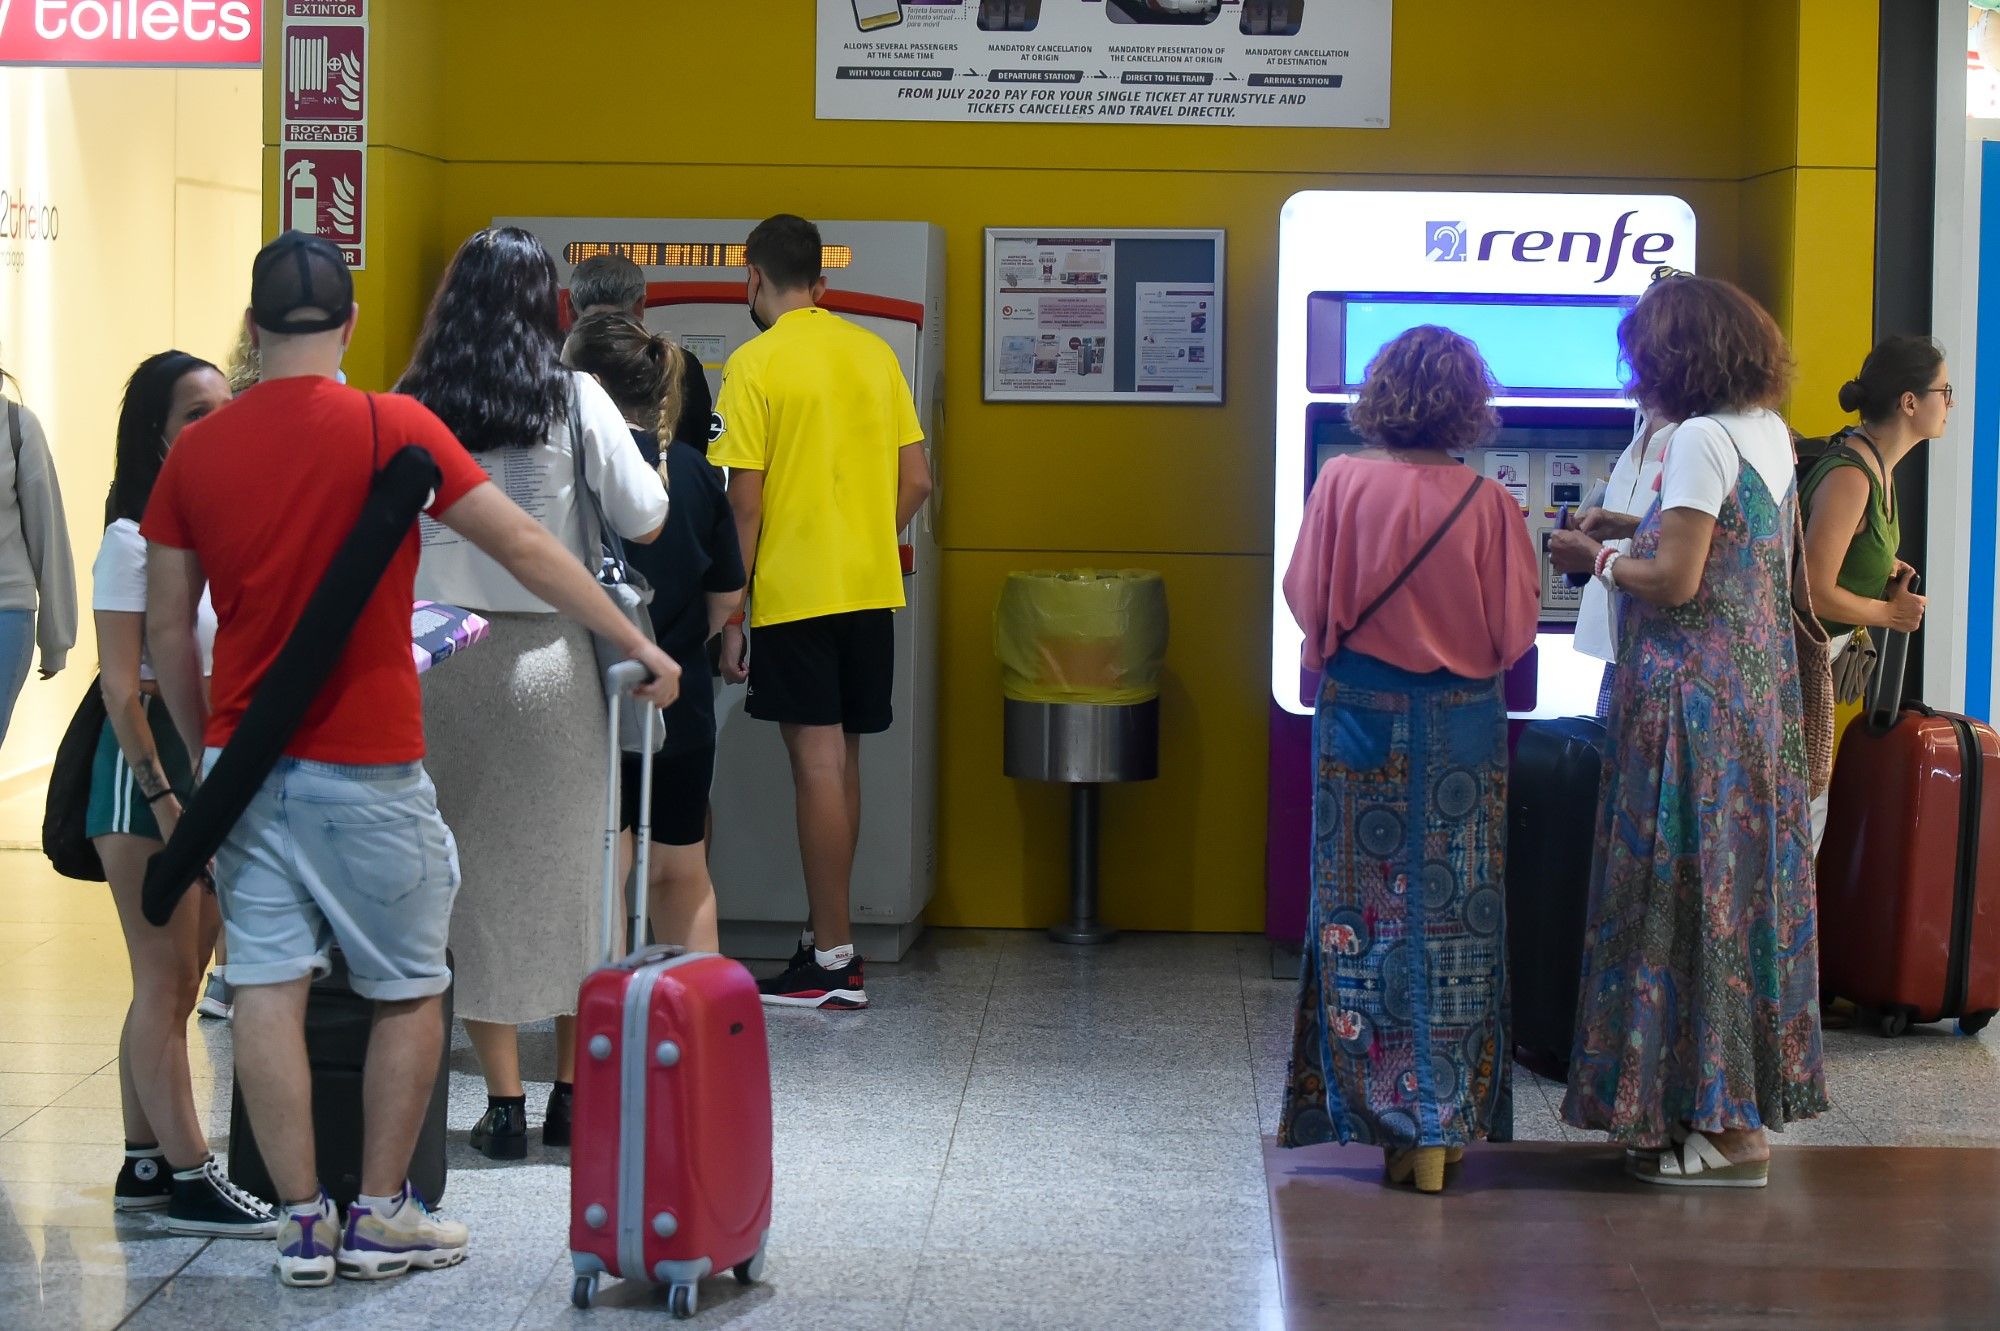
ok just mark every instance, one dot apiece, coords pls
pixel 1396 585
pixel 641 729
pixel 397 493
pixel 1813 647
pixel 68 802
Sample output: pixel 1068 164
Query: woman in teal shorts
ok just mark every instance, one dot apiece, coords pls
pixel 140 776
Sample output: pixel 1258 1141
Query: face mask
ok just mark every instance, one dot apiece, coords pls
pixel 755 317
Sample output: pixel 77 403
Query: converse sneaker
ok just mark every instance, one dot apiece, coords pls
pixel 145 1182
pixel 206 1202
pixel 307 1238
pixel 381 1241
pixel 216 1000
pixel 806 983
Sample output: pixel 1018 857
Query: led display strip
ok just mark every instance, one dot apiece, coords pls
pixel 689 253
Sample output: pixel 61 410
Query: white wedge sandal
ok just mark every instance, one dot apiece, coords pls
pixel 1696 1162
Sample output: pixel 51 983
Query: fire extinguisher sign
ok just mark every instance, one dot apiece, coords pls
pixel 323 69
pixel 323 195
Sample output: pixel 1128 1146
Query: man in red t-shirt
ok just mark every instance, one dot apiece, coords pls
pixel 343 843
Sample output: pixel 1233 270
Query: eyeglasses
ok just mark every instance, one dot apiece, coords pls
pixel 1667 270
pixel 1946 390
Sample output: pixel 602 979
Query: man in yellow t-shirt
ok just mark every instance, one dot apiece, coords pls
pixel 827 467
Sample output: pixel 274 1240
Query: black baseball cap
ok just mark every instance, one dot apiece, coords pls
pixel 300 284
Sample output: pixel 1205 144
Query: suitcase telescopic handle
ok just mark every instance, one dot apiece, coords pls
pixel 619 683
pixel 1885 701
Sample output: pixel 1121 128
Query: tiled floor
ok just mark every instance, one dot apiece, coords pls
pixel 1016 1136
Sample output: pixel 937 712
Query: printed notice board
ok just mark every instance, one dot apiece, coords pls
pixel 1314 63
pixel 1080 315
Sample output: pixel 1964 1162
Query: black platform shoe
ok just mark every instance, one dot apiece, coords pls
pixel 555 1123
pixel 502 1134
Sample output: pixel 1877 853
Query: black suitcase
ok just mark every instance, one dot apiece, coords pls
pixel 1551 833
pixel 338 1024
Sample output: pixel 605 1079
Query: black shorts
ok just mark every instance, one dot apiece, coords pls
pixel 680 795
pixel 835 670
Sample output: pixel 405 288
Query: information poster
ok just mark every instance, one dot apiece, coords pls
pixel 1177 329
pixel 1311 63
pixel 1104 316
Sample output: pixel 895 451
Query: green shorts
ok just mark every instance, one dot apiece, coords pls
pixel 117 805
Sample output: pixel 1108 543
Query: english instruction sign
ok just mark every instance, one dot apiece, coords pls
pixel 1309 63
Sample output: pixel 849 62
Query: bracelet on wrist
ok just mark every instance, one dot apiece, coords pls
pixel 155 799
pixel 736 620
pixel 1606 566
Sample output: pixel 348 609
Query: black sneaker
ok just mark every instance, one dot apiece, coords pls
pixel 556 1122
pixel 144 1183
pixel 502 1132
pixel 806 983
pixel 206 1202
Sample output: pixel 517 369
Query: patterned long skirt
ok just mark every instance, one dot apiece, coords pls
pixel 1700 993
pixel 1400 1033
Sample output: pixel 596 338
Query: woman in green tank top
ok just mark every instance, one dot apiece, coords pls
pixel 1853 523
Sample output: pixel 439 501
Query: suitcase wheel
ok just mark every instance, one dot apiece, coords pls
pixel 1894 1022
pixel 752 1271
pixel 583 1291
pixel 1972 1023
pixel 682 1301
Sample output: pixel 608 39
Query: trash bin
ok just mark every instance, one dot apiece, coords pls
pixel 1080 656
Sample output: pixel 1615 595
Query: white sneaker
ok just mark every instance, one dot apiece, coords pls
pixel 306 1244
pixel 215 1000
pixel 376 1246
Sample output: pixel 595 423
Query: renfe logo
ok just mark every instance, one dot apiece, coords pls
pixel 131 32
pixel 1450 242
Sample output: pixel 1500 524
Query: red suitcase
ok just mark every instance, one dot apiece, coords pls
pixel 1909 876
pixel 670 1167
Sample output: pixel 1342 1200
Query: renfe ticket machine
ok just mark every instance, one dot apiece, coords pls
pixel 1540 283
pixel 889 278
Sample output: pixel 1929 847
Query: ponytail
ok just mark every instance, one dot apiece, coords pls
pixel 641 370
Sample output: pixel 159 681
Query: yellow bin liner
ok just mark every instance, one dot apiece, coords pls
pixel 1083 636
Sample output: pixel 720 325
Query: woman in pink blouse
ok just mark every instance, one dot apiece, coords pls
pixel 1416 584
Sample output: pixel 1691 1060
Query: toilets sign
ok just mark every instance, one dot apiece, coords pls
pixel 323 64
pixel 224 33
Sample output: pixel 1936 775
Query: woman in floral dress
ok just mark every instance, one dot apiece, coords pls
pixel 1698 1025
pixel 1416 584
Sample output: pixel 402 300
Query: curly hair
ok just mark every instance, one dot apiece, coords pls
pixel 1699 345
pixel 1430 388
pixel 489 360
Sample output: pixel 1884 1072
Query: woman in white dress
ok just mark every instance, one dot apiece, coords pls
pixel 515 731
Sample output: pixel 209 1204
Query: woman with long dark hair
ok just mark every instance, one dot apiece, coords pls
pixel 516 730
pixel 1853 523
pixel 1416 585
pixel 1698 1023
pixel 139 778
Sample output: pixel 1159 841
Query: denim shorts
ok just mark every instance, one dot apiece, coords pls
pixel 332 855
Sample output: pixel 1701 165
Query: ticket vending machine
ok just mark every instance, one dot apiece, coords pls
pixel 889 278
pixel 1539 282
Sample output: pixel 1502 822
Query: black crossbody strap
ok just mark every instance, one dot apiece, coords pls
pixel 1443 530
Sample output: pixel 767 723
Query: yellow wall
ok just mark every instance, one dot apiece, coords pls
pixel 713 115
pixel 156 176
pixel 1808 200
